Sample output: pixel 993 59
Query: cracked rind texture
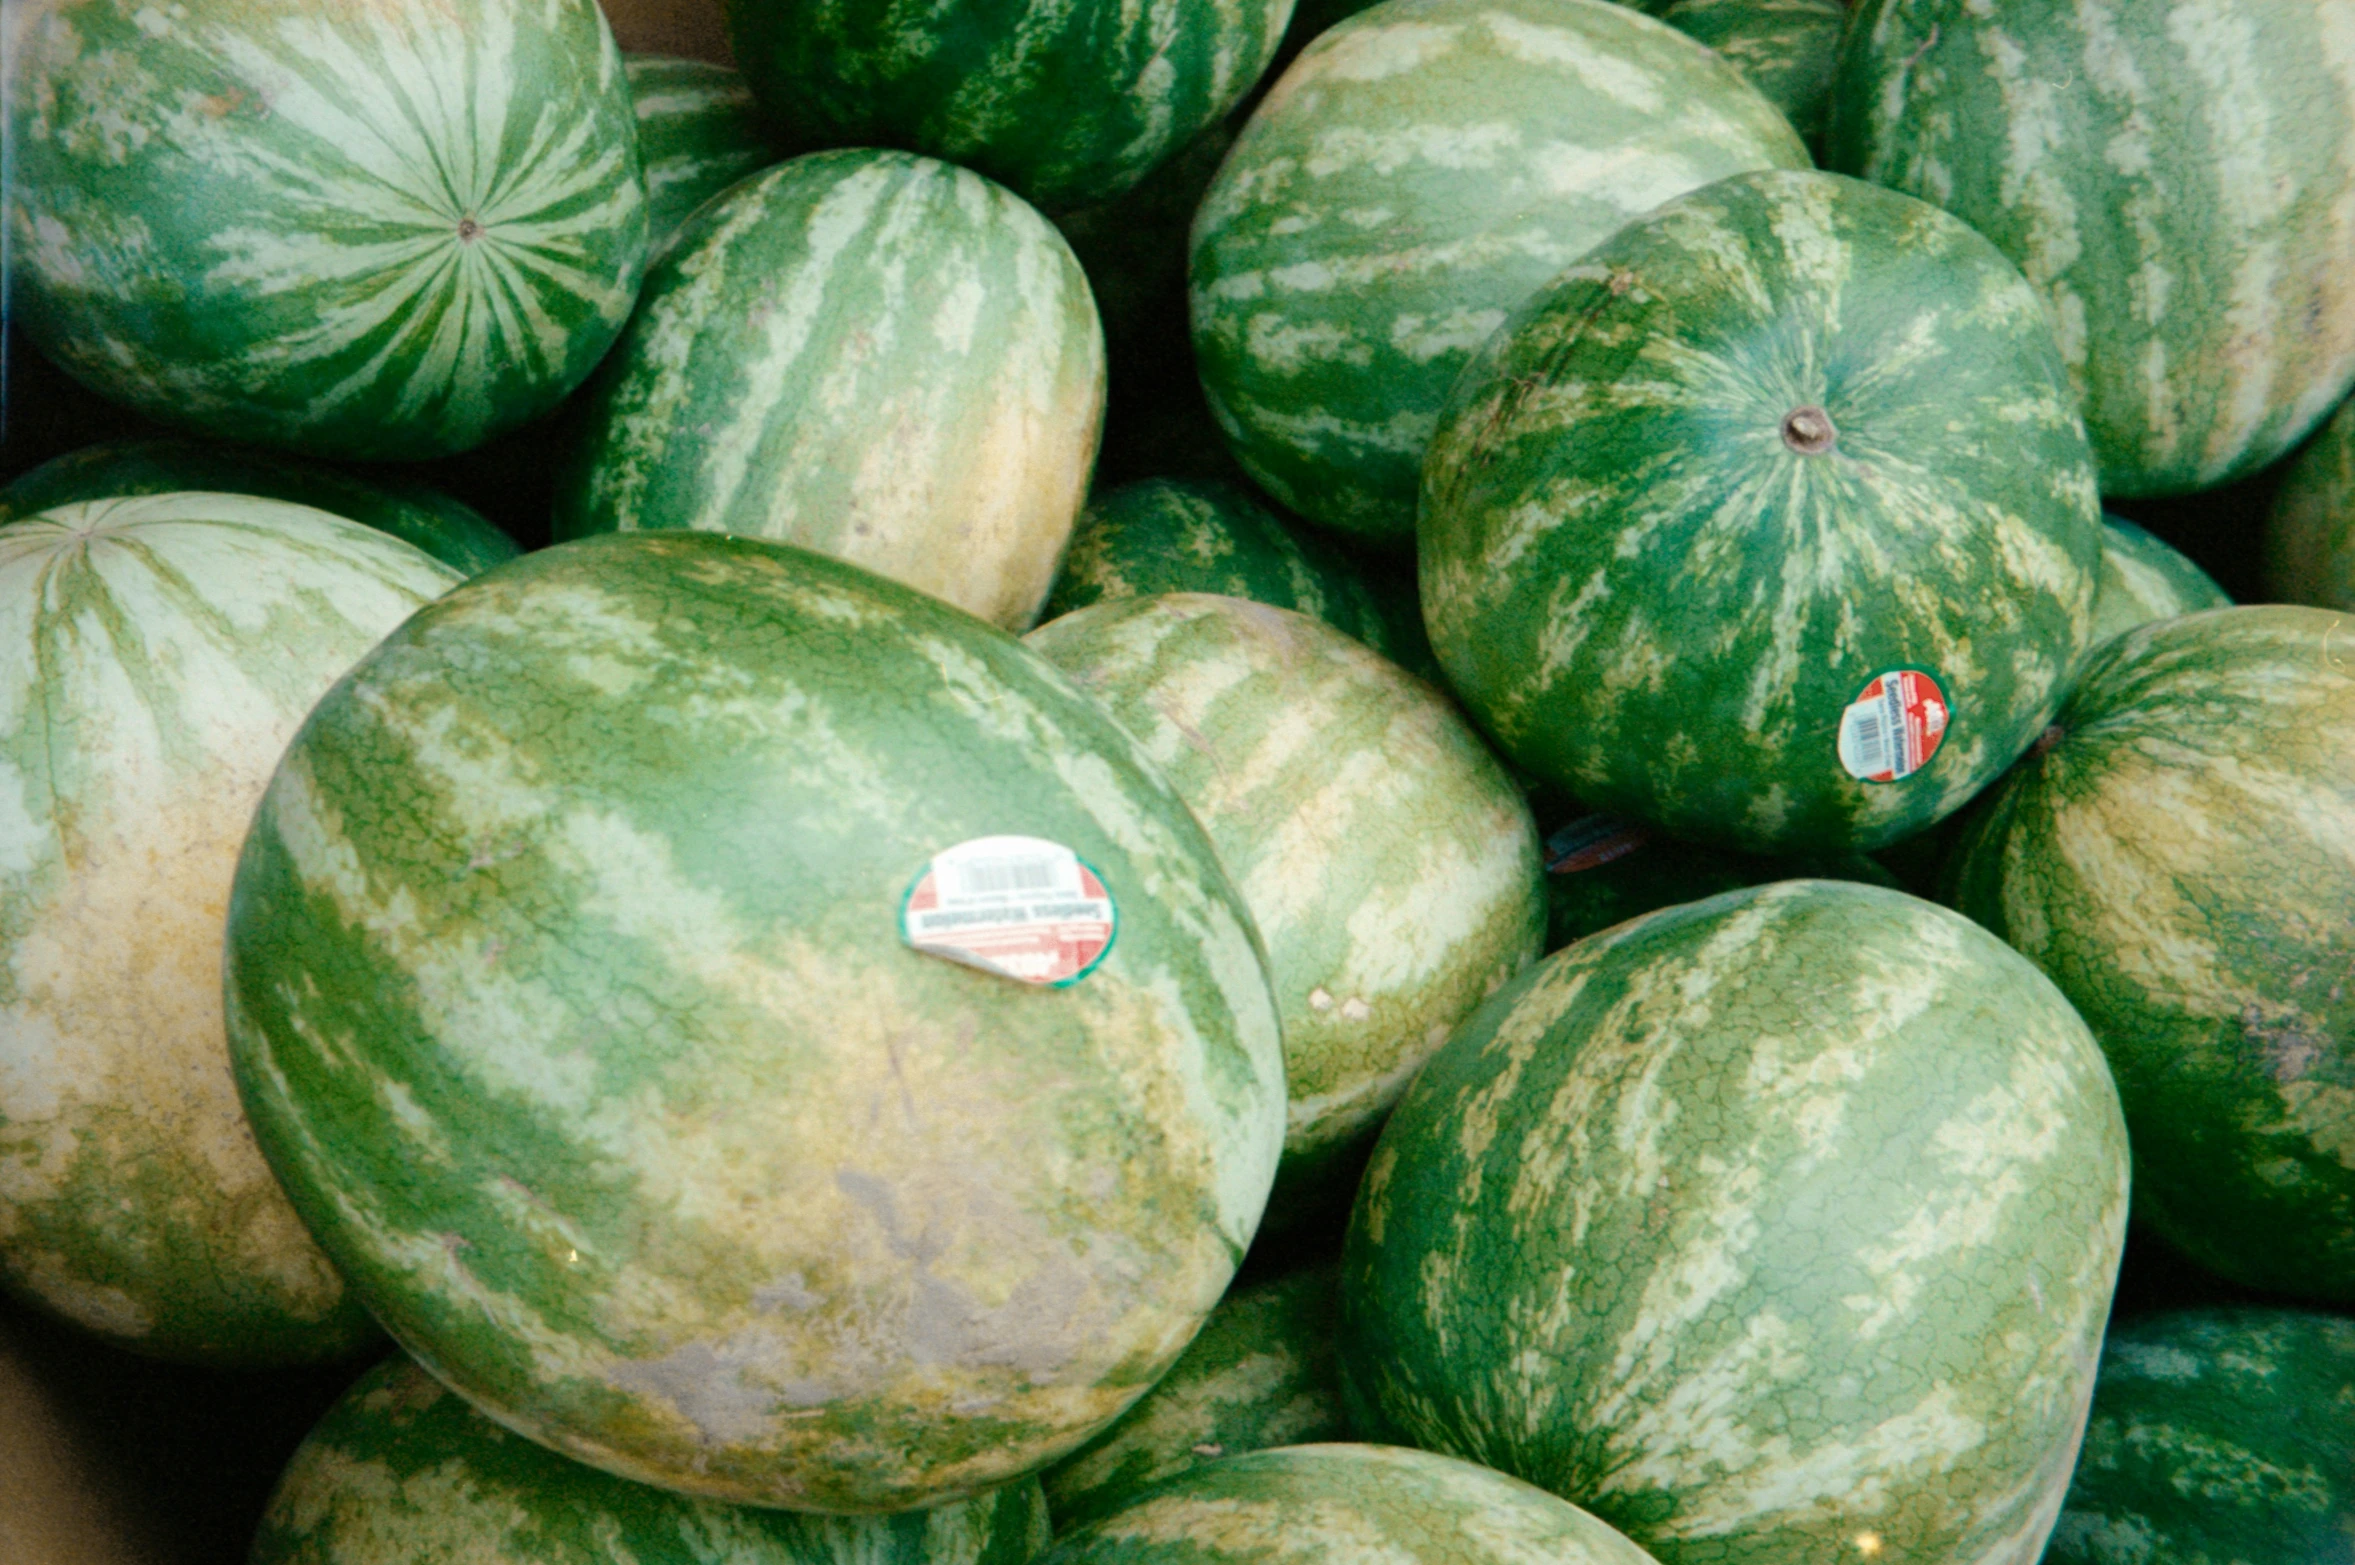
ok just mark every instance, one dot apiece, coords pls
pixel 352 230
pixel 2177 179
pixel 1262 1372
pixel 2143 578
pixel 1410 179
pixel 568 996
pixel 156 655
pixel 1389 863
pixel 1651 597
pixel 879 356
pixel 1345 1505
pixel 698 133
pixel 453 533
pixel 402 1472
pixel 1779 1227
pixel 2310 529
pixel 2180 858
pixel 2217 1436
pixel 1065 104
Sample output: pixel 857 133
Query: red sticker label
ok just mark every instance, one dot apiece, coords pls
pixel 1893 727
pixel 1020 907
pixel 1592 841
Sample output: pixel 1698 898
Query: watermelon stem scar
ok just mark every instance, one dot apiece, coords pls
pixel 1809 430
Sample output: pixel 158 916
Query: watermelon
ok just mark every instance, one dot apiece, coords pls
pixel 1067 105
pixel 2177 181
pixel 2144 579
pixel 1341 1504
pixel 1175 535
pixel 455 534
pixel 156 654
pixel 1419 170
pixel 872 354
pixel 1262 1373
pixel 402 1472
pixel 2310 527
pixel 380 231
pixel 598 989
pixel 1778 1226
pixel 2175 855
pixel 2218 1435
pixel 1771 523
pixel 698 133
pixel 1788 49
pixel 1388 861
pixel 1602 871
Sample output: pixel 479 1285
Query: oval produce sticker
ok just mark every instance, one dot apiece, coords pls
pixel 1021 907
pixel 1893 727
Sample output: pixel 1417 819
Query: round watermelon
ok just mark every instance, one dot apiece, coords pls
pixel 2177 181
pixel 1418 171
pixel 402 1472
pixel 1388 861
pixel 2174 854
pixel 156 655
pixel 1771 523
pixel 879 356
pixel 2143 579
pixel 753 1027
pixel 386 231
pixel 1779 1226
pixel 698 133
pixel 2310 529
pixel 453 533
pixel 1343 1505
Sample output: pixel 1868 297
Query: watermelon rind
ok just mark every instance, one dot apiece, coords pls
pixel 698 133
pixel 1788 49
pixel 2310 527
pixel 2144 578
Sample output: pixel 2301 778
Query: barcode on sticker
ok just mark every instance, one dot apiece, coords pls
pixel 1893 727
pixel 1868 746
pixel 985 877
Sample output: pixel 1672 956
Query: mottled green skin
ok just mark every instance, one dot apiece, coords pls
pixel 156 654
pixel 875 355
pixel 1066 104
pixel 2218 1437
pixel 1201 535
pixel 1263 1372
pixel 567 995
pixel 698 133
pixel 2143 579
pixel 1345 1505
pixel 1759 1227
pixel 2177 179
pixel 383 231
pixel 2310 531
pixel 2179 856
pixel 1410 179
pixel 455 534
pixel 403 1472
pixel 1653 598
pixel 1664 872
pixel 1788 49
pixel 1389 863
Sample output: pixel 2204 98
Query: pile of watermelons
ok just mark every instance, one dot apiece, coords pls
pixel 1173 782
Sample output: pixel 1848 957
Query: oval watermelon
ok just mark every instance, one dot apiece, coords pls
pixel 617 984
pixel 1779 1226
pixel 156 654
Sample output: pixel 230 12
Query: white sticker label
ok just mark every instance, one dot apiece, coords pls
pixel 1021 907
pixel 1893 727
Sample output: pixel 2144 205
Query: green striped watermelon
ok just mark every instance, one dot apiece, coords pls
pixel 1770 523
pixel 2310 529
pixel 1388 861
pixel 1065 104
pixel 1202 535
pixel 698 133
pixel 156 655
pixel 1262 1372
pixel 455 534
pixel 575 995
pixel 2176 177
pixel 2143 579
pixel 2176 855
pixel 875 355
pixel 1417 172
pixel 2218 1435
pixel 1345 1505
pixel 1788 49
pixel 361 231
pixel 402 1472
pixel 1779 1226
